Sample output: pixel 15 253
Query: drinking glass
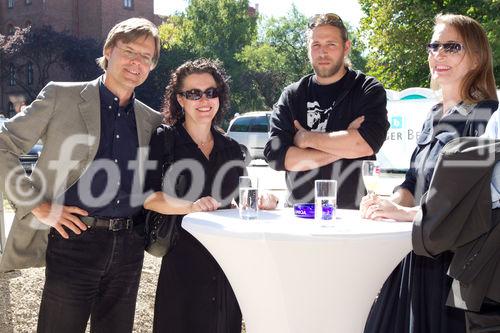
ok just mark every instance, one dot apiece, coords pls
pixel 249 196
pixel 371 176
pixel 325 200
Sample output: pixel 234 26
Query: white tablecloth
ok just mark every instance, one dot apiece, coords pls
pixel 293 275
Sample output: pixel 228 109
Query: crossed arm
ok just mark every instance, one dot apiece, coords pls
pixel 314 149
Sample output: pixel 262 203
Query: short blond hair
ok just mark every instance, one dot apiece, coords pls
pixel 128 31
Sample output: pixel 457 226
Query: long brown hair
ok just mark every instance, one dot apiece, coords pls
pixel 479 83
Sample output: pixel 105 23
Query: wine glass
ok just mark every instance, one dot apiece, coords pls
pixel 371 176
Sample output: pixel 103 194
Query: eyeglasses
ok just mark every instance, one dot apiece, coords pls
pixel 132 55
pixel 328 18
pixel 196 94
pixel 450 47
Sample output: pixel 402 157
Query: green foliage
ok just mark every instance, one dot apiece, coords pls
pixel 278 57
pixel 356 56
pixel 396 32
pixel 217 29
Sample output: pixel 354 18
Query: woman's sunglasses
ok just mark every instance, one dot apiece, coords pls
pixel 451 47
pixel 197 94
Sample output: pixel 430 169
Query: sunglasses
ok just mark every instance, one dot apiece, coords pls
pixel 450 47
pixel 328 18
pixel 196 94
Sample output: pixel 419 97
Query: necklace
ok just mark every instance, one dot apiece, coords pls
pixel 206 143
pixel 200 145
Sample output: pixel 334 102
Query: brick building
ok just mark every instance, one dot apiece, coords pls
pixel 81 18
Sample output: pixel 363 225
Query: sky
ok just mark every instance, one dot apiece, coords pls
pixel 349 10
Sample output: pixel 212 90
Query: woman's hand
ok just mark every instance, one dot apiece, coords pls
pixel 268 201
pixel 205 204
pixel 367 201
pixel 374 207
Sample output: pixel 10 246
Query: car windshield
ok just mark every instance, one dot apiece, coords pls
pixel 260 124
pixel 241 124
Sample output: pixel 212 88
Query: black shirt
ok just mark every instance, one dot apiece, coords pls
pixel 353 96
pixel 106 187
pixel 193 175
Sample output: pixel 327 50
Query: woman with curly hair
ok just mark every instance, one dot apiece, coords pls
pixel 193 294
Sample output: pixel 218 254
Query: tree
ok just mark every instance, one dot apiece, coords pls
pixel 396 32
pixel 278 57
pixel 44 50
pixel 80 56
pixel 216 29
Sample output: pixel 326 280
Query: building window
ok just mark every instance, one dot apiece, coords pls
pixel 12 75
pixel 28 2
pixel 10 3
pixel 129 4
pixel 30 73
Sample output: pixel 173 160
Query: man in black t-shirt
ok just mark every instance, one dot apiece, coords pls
pixel 327 122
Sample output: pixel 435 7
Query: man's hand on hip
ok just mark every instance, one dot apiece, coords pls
pixel 57 216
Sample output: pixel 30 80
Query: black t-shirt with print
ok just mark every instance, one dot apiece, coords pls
pixel 320 101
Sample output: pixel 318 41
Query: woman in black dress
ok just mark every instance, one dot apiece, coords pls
pixel 413 298
pixel 193 294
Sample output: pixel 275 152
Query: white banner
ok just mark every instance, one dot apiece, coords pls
pixel 406 118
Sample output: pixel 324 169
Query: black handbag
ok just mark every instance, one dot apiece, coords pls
pixel 161 233
pixel 162 230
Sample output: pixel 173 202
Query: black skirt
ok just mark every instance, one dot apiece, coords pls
pixel 413 299
pixel 193 294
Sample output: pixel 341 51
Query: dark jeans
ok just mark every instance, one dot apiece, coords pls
pixel 94 274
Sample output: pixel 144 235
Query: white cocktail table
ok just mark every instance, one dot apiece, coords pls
pixel 293 275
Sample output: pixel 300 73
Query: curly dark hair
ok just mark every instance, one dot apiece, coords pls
pixel 171 108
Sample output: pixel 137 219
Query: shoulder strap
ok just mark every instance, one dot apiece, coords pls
pixel 168 146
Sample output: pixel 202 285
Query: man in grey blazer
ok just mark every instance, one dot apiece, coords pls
pixel 75 212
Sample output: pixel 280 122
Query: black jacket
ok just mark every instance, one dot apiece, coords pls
pixel 456 215
pixel 361 95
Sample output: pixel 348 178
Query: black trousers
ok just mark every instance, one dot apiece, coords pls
pixel 95 274
pixel 488 320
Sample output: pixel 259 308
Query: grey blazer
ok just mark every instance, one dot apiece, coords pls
pixel 456 216
pixel 66 117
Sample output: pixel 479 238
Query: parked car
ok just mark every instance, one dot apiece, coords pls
pixel 251 130
pixel 28 160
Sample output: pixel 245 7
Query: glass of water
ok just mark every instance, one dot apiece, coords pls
pixel 249 196
pixel 325 200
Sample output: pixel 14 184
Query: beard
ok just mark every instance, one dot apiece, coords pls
pixel 330 71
